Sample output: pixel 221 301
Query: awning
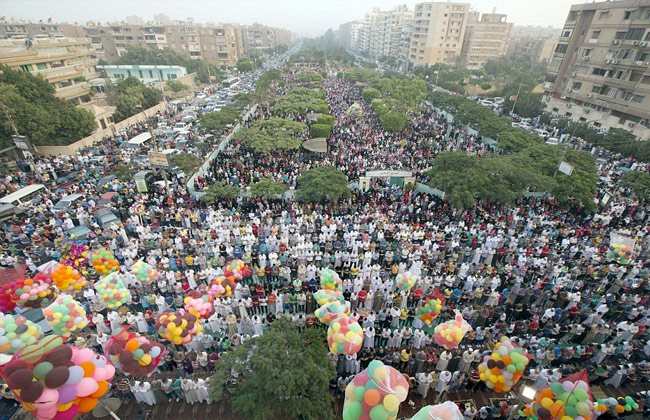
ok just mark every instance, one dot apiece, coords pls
pixel 317 145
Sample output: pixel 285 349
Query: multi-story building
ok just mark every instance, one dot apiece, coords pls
pixel 536 48
pixel 147 74
pixel 399 32
pixel 600 70
pixel 485 38
pixel 438 32
pixel 66 63
pixel 218 44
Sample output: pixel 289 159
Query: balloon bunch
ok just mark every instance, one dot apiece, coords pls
pixel 344 336
pixel 6 304
pixel 65 316
pixel 68 279
pixel 74 254
pixel 502 369
pixel 29 293
pixel 222 287
pixel 566 399
pixel 56 381
pixel 16 333
pixel 327 313
pixel 178 327
pixel 323 296
pixel 133 354
pixel 355 110
pixel 112 291
pixel 236 270
pixel 198 304
pixel 330 280
pixel 622 254
pixel 145 273
pixel 429 310
pixel 449 334
pixel 405 281
pixel 375 393
pixel 104 262
pixel 448 410
pixel 620 404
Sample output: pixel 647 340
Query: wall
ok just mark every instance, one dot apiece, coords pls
pixel 99 134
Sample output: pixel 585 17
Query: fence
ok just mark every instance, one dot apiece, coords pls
pixel 222 146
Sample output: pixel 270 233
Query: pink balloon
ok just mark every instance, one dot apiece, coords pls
pixel 47 412
pixel 68 414
pixel 82 355
pixel 49 397
pixel 110 372
pixel 86 386
pixel 99 374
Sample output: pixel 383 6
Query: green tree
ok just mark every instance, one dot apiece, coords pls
pixel 217 121
pixel 272 384
pixel 124 171
pixel 30 103
pixel 131 96
pixel 370 94
pixel 267 188
pixel 218 192
pixel 274 134
pixel 324 183
pixel 301 100
pixel 639 182
pixel 320 130
pixel 186 162
pixel 176 86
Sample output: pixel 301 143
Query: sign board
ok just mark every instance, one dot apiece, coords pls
pixel 21 142
pixel 141 185
pixel 566 168
pixel 158 160
pixel 388 174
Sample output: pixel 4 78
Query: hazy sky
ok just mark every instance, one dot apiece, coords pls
pixel 307 17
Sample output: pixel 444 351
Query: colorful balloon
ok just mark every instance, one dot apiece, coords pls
pixel 330 280
pixel 68 279
pixel 133 354
pixel 112 291
pixel 429 310
pixel 332 310
pixel 31 293
pixel 145 273
pixel 199 304
pixel 344 336
pixel 405 281
pixel 104 262
pixel 178 327
pixel 504 367
pixel 17 332
pixel 448 410
pixel 66 316
pixel 449 334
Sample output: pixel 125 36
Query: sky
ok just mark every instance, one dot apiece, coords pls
pixel 306 17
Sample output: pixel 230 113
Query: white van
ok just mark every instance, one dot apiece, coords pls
pixel 542 133
pixel 181 126
pixel 24 196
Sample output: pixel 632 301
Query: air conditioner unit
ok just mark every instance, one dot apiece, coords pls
pixel 635 42
pixel 569 90
pixel 643 44
pixel 586 110
pixel 590 95
pixel 574 74
pixel 562 96
pixel 614 61
pixel 608 61
pixel 568 105
pixel 640 63
pixel 631 124
pixel 615 42
pixel 585 58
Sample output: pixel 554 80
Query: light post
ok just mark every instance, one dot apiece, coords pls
pixel 526 396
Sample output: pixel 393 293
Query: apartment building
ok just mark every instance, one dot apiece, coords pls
pixel 486 38
pixel 536 48
pixel 68 64
pixel 599 72
pixel 257 37
pixel 399 33
pixel 438 33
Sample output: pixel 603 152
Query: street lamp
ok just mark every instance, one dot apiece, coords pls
pixel 526 396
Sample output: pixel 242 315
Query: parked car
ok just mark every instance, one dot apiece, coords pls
pixel 553 141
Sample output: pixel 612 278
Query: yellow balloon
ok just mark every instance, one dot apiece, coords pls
pixel 380 374
pixel 391 403
pixel 349 390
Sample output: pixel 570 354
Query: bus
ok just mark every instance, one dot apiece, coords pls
pixel 24 196
pixel 232 82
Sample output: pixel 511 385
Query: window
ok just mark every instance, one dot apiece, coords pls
pixel 635 34
pixel 625 54
pixel 567 33
pixel 627 14
pixel 647 14
pixel 599 72
pixel 604 15
pixel 576 85
pixel 632 97
pixel 620 34
pixel 595 89
pixel 595 35
pixel 581 69
pixel 561 48
pixel 587 52
pixel 645 80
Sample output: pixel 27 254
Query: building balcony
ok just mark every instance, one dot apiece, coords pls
pixel 57 74
pixel 73 91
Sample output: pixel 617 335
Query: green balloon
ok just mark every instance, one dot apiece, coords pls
pixel 372 385
pixel 570 411
pixel 557 389
pixel 138 353
pixel 581 394
pixel 10 328
pixel 355 410
pixel 378 412
pixel 359 393
pixel 627 407
pixel 42 369
pixel 511 368
pixel 635 406
pixel 629 400
pixel 372 366
pixel 520 366
pixel 340 348
pixel 346 414
pixel 564 395
pixel 572 400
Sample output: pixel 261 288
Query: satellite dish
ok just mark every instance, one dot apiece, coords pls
pixel 107 407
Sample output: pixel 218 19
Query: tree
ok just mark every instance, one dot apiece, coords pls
pixel 217 121
pixel 639 182
pixel 370 94
pixel 324 183
pixel 124 171
pixel 267 188
pixel 274 134
pixel 283 374
pixel 30 103
pixel 131 96
pixel 320 130
pixel 176 86
pixel 219 191
pixel 186 162
pixel 301 100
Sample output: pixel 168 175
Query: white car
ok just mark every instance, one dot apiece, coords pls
pixel 553 141
pixel 201 96
pixel 541 133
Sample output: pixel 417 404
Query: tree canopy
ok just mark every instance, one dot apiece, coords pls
pixel 131 96
pixel 249 64
pixel 186 162
pixel 282 374
pixel 267 188
pixel 301 100
pixel 324 183
pixel 274 134
pixel 639 182
pixel 219 191
pixel 47 120
pixel 217 121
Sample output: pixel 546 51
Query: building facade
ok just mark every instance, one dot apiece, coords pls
pixel 486 38
pixel 68 64
pixel 438 33
pixel 536 48
pixel 148 74
pixel 600 69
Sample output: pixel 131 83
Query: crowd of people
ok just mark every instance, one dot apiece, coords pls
pixel 536 271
